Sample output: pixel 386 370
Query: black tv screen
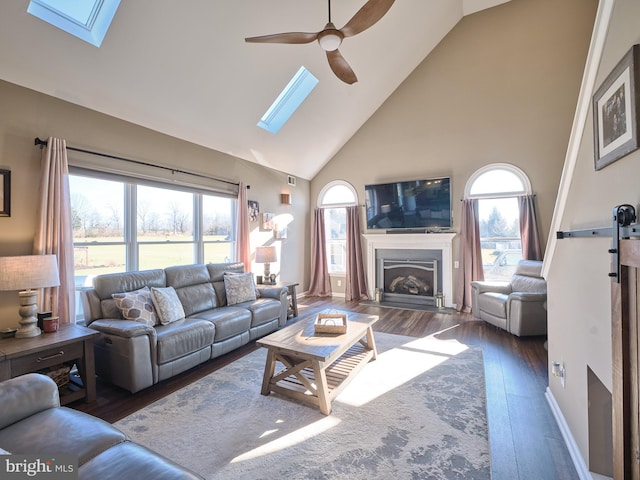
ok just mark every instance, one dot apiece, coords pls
pixel 416 204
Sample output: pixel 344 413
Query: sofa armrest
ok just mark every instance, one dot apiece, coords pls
pixel 526 314
pixel 279 293
pixel 527 297
pixel 497 287
pixel 26 395
pixel 123 328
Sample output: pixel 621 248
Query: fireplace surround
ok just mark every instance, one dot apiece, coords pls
pixel 429 250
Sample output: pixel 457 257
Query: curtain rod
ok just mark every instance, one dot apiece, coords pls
pixel 43 143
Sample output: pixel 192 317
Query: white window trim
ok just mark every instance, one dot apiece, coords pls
pixel 328 187
pixel 498 166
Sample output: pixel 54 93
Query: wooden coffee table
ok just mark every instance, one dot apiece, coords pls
pixel 315 368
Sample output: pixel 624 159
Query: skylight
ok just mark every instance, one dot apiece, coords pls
pixel 88 20
pixel 288 101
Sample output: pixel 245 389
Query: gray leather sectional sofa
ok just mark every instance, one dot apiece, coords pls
pixel 134 355
pixel 33 422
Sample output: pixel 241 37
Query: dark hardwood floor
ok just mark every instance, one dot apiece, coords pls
pixel 525 440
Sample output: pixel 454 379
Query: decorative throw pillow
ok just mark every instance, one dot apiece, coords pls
pixel 137 306
pixel 239 288
pixel 167 304
pixel 245 273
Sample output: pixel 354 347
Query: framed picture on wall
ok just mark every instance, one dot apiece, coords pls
pixel 5 193
pixel 267 221
pixel 254 210
pixel 615 110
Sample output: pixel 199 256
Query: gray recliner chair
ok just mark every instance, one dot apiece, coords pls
pixel 518 306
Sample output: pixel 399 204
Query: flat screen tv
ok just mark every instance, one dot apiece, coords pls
pixel 410 205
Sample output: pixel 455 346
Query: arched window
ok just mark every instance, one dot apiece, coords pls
pixel 334 197
pixel 497 187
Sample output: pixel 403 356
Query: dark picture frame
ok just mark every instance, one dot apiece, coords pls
pixel 5 193
pixel 254 210
pixel 615 111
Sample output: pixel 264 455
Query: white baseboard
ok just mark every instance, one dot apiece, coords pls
pixel 572 446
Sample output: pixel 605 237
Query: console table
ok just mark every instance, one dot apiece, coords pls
pixel 70 344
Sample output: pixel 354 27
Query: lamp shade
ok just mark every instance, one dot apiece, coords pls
pixel 266 254
pixel 25 272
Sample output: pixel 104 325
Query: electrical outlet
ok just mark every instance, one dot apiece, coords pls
pixel 558 370
pixel 339 283
pixel 456 264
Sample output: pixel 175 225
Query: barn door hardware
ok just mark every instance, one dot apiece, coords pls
pixel 623 226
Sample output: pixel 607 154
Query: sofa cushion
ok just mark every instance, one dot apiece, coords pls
pixel 239 288
pixel 182 337
pixel 109 283
pixel 217 272
pixel 193 286
pixel 229 321
pixel 186 275
pixel 493 303
pixel 61 430
pixel 167 304
pixel 130 460
pixel 137 306
pixel 524 283
pixel 263 310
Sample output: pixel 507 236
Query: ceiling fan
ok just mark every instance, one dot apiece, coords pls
pixel 330 38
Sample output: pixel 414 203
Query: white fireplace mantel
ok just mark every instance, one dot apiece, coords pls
pixel 413 241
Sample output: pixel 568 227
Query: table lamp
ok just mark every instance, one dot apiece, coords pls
pixel 266 255
pixel 28 272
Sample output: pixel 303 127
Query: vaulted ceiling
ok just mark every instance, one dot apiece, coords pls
pixel 183 68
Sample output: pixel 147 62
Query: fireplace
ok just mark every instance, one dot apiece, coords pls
pixel 410 281
pixel 428 254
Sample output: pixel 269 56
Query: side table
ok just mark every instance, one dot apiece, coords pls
pixel 71 343
pixel 291 295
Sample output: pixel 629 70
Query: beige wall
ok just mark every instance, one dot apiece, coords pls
pixel 501 87
pixel 579 289
pixel 26 114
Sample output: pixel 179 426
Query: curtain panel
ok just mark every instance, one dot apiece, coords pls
pixel 243 242
pixel 320 285
pixel 529 228
pixel 470 255
pixel 54 231
pixel 356 278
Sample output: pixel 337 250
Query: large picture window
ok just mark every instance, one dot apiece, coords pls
pixel 121 225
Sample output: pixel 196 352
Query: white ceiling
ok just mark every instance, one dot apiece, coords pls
pixel 182 68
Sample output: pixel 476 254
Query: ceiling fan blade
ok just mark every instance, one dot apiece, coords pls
pixel 367 16
pixel 340 67
pixel 291 37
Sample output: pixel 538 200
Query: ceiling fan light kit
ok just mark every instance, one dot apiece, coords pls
pixel 331 38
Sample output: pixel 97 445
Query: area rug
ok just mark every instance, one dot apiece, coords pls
pixel 418 411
